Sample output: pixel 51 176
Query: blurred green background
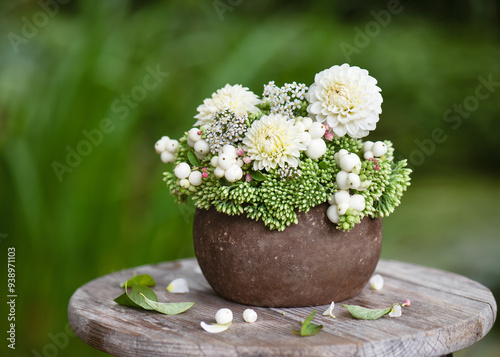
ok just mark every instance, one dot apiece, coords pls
pixel 70 68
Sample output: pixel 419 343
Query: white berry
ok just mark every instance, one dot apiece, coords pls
pixel 195 178
pixel 342 196
pixel 342 208
pixel 349 162
pixel 316 149
pixel 182 170
pixel 201 147
pixel 341 179
pixel 357 202
pixel 316 130
pixel 338 155
pixel 194 134
pixel 367 146
pixel 249 315
pixel 368 155
pixel 307 122
pixel 172 145
pixel 379 149
pixel 214 160
pixel 184 183
pixel 167 157
pixel 161 145
pixel 224 316
pixel 229 150
pixel 234 173
pixel 225 161
pixel 306 138
pixel 333 214
pixel 353 181
pixel 219 172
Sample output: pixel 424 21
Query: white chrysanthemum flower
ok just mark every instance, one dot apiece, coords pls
pixel 237 99
pixel 273 141
pixel 347 98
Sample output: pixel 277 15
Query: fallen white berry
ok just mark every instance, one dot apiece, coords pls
pixel 249 315
pixel 182 170
pixel 224 316
pixel 316 149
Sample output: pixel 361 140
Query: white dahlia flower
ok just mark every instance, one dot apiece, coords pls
pixel 274 140
pixel 236 98
pixel 347 98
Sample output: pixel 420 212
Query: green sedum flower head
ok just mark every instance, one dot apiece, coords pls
pixel 270 158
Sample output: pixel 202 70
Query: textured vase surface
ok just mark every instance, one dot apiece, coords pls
pixel 309 263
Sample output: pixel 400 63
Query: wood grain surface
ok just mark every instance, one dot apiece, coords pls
pixel 448 313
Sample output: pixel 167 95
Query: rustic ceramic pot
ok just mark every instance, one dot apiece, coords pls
pixel 310 263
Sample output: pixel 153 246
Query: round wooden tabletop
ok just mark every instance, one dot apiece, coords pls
pixel 448 313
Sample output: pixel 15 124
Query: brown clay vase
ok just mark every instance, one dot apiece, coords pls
pixel 309 263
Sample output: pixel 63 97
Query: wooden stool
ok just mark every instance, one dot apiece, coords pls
pixel 448 313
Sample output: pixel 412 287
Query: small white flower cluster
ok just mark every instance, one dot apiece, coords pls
pixel 315 145
pixel 167 148
pixel 285 100
pixel 289 172
pixel 227 164
pixel 374 149
pixel 226 128
pixel 342 202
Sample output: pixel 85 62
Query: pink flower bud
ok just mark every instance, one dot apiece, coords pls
pixel 407 303
pixel 204 174
pixel 199 132
pixel 204 169
pixel 240 152
pixel 248 178
pixel 377 168
pixel 327 128
pixel 247 160
pixel 328 136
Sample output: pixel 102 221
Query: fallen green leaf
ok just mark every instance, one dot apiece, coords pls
pixel 363 313
pixel 169 308
pixel 143 279
pixel 308 328
pixel 137 295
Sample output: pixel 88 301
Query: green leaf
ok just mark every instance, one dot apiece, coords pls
pixel 308 328
pixel 143 279
pixel 138 293
pixel 363 313
pixel 123 299
pixel 257 176
pixel 193 159
pixel 172 308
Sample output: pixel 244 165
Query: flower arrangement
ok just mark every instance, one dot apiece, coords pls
pixel 293 149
